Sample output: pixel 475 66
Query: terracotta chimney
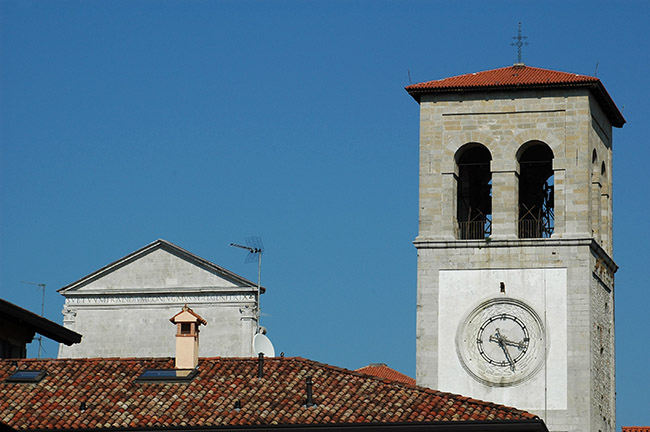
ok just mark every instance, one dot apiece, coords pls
pixel 187 337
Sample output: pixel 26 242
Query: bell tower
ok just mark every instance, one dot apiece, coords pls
pixel 515 296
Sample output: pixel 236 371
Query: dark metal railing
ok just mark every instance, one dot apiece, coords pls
pixel 536 222
pixel 474 230
pixel 534 228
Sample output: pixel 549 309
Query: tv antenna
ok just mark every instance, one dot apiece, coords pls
pixel 42 286
pixel 255 247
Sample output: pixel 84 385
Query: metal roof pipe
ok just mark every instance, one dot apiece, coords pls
pixel 310 400
pixel 260 365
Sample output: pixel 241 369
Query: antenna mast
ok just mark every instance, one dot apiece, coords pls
pixel 254 247
pixel 40 337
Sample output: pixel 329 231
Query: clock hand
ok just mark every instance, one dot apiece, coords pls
pixel 501 340
pixel 507 353
pixel 521 345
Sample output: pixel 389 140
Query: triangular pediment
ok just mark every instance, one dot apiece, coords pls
pixel 158 267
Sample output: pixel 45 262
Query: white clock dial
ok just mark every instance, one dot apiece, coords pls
pixel 501 342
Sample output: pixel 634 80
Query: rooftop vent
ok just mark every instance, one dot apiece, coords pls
pixel 260 365
pixel 310 399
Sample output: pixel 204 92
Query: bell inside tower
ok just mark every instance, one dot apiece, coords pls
pixel 474 213
pixel 536 183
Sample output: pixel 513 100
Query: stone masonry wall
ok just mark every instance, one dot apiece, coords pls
pixel 502 124
pixel 602 348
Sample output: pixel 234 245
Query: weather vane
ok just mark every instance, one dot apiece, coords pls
pixel 520 42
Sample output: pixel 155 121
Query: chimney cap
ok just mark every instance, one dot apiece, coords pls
pixel 187 315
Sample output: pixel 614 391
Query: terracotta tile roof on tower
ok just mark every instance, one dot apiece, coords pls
pixel 636 429
pixel 382 371
pixel 104 393
pixel 511 75
pixel 519 77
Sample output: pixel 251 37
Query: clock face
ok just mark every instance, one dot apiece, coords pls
pixel 501 342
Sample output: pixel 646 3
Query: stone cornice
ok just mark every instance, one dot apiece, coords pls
pixel 139 291
pixel 430 243
pixel 154 300
pixel 597 250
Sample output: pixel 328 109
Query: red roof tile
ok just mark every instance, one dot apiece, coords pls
pixel 519 77
pixel 113 397
pixel 636 429
pixel 382 371
pixel 507 76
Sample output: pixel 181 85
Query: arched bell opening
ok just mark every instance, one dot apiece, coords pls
pixel 536 191
pixel 474 198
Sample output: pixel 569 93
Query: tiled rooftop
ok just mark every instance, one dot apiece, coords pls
pixel 636 429
pixel 108 390
pixel 383 371
pixel 511 75
pixel 519 77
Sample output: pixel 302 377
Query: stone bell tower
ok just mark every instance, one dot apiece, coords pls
pixel 515 300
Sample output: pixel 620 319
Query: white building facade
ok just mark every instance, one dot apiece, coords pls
pixel 123 309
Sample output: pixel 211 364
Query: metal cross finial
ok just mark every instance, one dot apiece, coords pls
pixel 519 38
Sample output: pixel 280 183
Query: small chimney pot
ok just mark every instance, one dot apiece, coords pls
pixel 187 337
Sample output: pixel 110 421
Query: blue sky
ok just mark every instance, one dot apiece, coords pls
pixel 206 122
